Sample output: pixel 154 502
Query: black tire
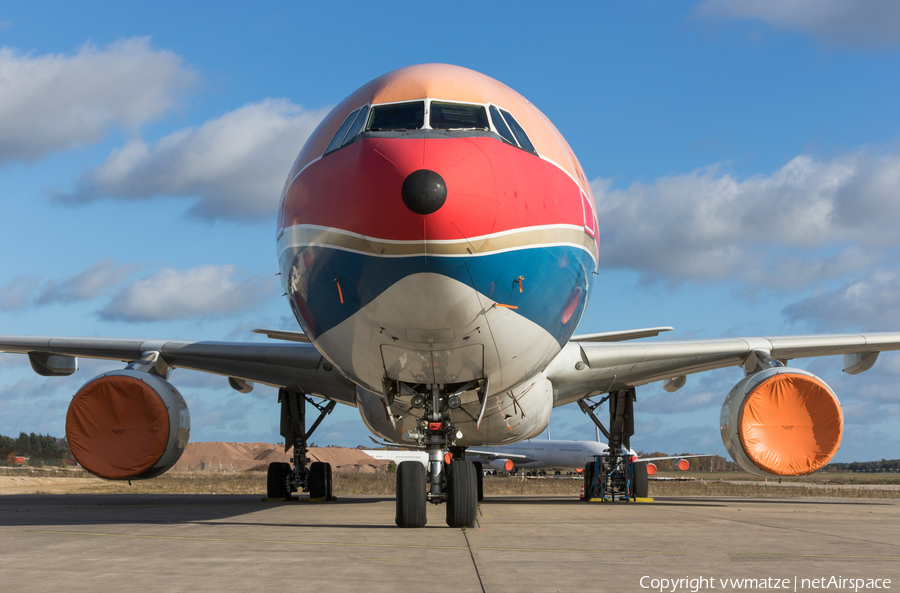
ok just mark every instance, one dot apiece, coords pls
pixel 479 479
pixel 641 480
pixel 588 480
pixel 276 480
pixel 462 493
pixel 317 480
pixel 329 491
pixel 411 496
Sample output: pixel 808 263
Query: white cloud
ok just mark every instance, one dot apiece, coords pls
pixel 86 285
pixel 204 291
pixel 9 361
pixel 871 303
pixel 861 23
pixel 18 292
pixel 25 291
pixel 233 167
pixel 54 101
pixel 809 220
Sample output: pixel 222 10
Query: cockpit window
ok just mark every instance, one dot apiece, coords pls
pixel 342 131
pixel 501 126
pixel 399 116
pixel 524 142
pixel 357 126
pixel 455 116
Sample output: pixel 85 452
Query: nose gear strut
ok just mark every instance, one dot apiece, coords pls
pixel 454 483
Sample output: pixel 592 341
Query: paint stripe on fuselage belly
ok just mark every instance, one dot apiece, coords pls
pixel 538 236
pixel 319 277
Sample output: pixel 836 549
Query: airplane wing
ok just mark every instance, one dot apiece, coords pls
pixel 495 455
pixel 278 365
pixel 677 457
pixel 586 369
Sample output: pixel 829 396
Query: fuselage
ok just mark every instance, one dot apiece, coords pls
pixel 437 229
pixel 528 454
pixel 544 453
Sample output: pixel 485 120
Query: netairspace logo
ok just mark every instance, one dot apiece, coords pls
pixel 836 583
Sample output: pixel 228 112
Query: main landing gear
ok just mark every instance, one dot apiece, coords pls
pixel 615 475
pixel 282 480
pixel 449 477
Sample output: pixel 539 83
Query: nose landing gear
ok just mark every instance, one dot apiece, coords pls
pixel 450 478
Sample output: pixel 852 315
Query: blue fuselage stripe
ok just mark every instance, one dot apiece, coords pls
pixel 555 282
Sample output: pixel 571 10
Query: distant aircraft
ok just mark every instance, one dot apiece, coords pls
pixel 437 243
pixel 531 454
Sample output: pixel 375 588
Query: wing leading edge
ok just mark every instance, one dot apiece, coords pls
pixel 278 365
pixel 585 369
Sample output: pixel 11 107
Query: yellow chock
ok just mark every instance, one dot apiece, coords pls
pixel 619 501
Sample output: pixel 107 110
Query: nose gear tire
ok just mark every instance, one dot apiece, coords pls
pixel 479 479
pixel 411 496
pixel 462 494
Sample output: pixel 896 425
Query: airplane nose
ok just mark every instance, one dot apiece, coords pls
pixel 424 191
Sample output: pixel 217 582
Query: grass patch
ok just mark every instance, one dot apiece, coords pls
pixel 254 482
pixel 836 478
pixel 763 490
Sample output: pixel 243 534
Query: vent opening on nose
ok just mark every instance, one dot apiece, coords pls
pixel 424 191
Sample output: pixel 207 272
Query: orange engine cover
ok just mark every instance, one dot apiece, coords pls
pixel 781 422
pixel 127 425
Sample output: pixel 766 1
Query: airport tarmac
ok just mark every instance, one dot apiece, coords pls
pixel 104 542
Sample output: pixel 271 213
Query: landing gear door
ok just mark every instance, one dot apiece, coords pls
pixel 442 367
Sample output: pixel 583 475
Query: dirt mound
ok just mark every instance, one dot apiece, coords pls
pixel 243 456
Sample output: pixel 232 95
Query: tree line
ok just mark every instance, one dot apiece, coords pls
pixel 885 465
pixel 40 449
pixel 717 463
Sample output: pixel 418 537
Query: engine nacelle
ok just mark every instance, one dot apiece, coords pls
pixel 127 425
pixel 682 465
pixel 501 464
pixel 651 469
pixel 781 422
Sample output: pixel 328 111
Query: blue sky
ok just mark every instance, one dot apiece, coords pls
pixel 744 157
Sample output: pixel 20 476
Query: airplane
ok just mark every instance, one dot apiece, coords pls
pixel 437 244
pixel 532 454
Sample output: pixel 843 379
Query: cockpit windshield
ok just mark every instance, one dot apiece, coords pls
pixel 398 116
pixel 455 116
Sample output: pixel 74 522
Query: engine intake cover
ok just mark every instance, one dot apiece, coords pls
pixel 127 425
pixel 781 422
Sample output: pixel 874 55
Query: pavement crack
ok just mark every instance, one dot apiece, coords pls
pixel 472 555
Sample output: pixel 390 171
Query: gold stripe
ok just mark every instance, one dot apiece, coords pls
pixel 534 237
